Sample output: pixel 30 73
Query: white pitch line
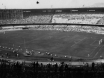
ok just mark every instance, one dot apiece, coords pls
pixel 98 51
pixel 94 49
pixel 78 42
pixel 96 54
pixel 93 42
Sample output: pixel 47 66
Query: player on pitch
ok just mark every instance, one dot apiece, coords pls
pixel 100 41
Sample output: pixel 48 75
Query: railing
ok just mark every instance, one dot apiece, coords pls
pixel 51 24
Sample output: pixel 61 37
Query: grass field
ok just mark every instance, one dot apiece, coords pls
pixel 75 44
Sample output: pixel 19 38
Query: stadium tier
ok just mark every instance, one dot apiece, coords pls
pixel 52 16
pixel 30 19
pixel 58 18
pixel 78 18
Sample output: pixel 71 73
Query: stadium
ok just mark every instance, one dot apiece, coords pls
pixel 68 36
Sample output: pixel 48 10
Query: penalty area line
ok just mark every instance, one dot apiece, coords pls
pixel 79 41
pixel 94 50
pixel 98 52
pixel 93 43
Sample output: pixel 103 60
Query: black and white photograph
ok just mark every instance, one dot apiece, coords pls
pixel 51 38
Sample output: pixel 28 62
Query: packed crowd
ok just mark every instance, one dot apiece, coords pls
pixel 58 18
pixel 77 28
pixel 30 19
pixel 77 18
pixel 67 28
pixel 39 70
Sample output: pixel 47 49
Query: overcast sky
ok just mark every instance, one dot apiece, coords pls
pixel 24 4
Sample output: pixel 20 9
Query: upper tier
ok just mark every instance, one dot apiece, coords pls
pixel 72 15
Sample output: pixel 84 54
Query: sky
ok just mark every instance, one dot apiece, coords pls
pixel 31 4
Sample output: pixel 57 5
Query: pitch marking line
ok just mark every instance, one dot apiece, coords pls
pixel 78 42
pixel 94 50
pixel 93 42
pixel 98 52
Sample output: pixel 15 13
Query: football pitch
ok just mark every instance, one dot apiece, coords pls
pixel 74 44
